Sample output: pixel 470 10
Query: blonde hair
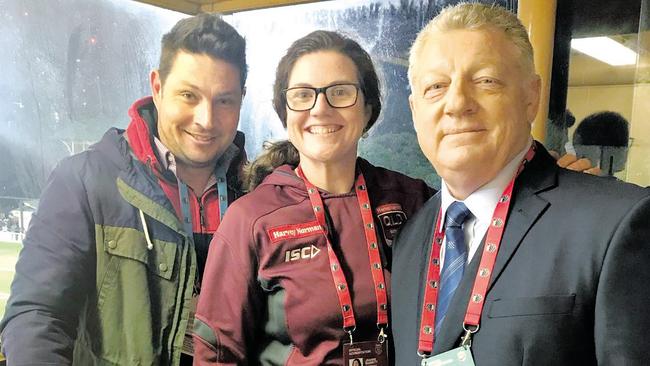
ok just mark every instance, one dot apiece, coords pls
pixel 474 16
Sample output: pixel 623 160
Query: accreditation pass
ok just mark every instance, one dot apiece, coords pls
pixel 461 356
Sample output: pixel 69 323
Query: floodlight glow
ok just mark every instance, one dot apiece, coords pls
pixel 606 50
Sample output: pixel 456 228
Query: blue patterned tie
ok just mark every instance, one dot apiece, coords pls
pixel 455 258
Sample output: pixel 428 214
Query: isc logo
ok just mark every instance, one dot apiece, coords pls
pixel 306 252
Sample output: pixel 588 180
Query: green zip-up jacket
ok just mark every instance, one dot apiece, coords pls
pixel 107 272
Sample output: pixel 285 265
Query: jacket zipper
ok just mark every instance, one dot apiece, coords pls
pixel 201 214
pixel 199 201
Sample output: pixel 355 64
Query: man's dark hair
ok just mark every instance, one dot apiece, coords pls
pixel 204 34
pixel 328 41
pixel 603 129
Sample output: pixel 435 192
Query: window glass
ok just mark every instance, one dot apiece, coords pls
pixel 385 28
pixel 70 70
pixel 606 96
pixel 639 157
pixel 73 68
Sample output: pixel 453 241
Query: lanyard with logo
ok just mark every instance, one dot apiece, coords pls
pixel 462 355
pixel 222 190
pixel 183 192
pixel 374 352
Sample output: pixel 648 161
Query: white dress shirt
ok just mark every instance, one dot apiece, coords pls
pixel 481 204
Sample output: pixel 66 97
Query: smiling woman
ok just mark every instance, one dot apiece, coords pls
pixel 327 135
pixel 270 295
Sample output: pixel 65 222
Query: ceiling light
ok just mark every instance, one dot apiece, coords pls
pixel 606 50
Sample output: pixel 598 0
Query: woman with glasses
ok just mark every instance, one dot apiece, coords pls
pixel 299 270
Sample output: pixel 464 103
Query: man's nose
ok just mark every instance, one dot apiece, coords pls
pixel 459 99
pixel 204 114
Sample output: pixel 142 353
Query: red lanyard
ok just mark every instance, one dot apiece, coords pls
pixel 482 279
pixel 376 268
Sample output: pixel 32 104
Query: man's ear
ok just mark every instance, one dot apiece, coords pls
pixel 533 93
pixel 156 86
pixel 241 100
pixel 412 107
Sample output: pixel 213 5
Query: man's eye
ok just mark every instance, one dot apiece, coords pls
pixel 433 90
pixel 487 81
pixel 226 101
pixel 187 95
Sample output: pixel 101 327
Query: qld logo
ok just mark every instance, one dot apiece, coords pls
pixel 392 217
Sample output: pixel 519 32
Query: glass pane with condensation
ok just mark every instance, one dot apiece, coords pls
pixel 639 156
pixel 74 68
pixel 385 28
pixel 607 109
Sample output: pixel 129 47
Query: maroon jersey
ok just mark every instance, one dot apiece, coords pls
pixel 268 296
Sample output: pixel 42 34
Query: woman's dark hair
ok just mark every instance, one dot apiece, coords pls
pixel 274 155
pixel 328 41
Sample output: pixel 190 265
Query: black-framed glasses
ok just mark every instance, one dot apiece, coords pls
pixel 303 98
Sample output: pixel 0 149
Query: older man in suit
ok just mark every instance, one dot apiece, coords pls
pixel 515 261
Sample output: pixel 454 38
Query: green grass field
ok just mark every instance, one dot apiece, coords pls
pixel 8 257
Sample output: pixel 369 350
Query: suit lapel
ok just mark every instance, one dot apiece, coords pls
pixel 526 208
pixel 522 217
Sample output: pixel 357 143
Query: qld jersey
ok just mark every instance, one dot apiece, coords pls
pixel 268 296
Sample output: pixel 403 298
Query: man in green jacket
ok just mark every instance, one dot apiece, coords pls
pixel 112 261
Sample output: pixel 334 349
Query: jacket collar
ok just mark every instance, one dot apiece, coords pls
pixel 143 127
pixel 141 131
pixel 133 152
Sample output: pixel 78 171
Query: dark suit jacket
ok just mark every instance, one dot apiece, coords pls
pixel 571 284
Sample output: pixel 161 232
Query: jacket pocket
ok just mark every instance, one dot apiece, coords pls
pixel 527 306
pixel 131 244
pixel 136 296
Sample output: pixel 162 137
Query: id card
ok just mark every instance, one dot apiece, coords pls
pixel 371 353
pixel 461 356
